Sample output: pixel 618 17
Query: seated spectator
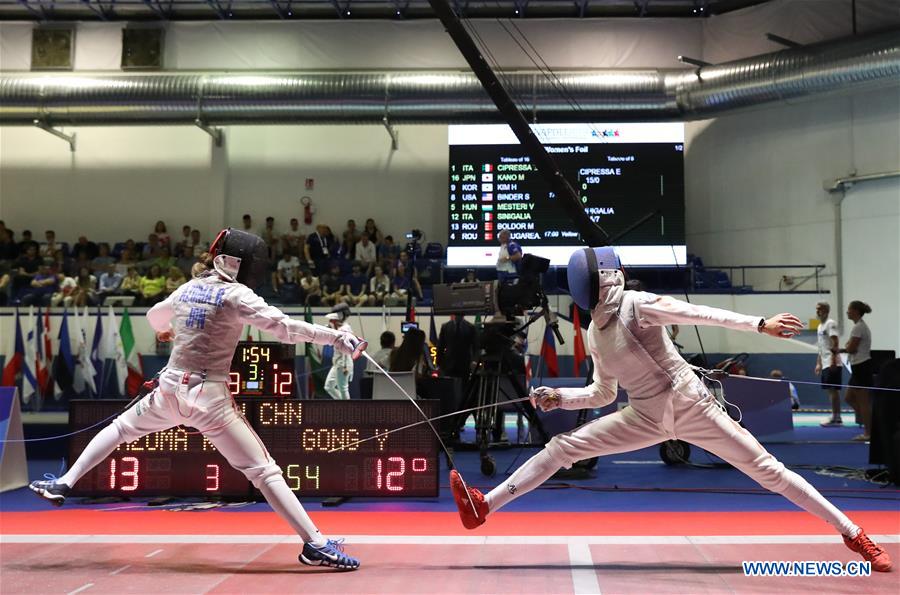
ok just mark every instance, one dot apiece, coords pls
pixel 103 258
pixel 85 293
pixel 151 248
pixel 356 287
pixel 162 235
pixel 131 283
pixel 375 234
pixel 64 265
pixel 184 259
pixel 27 241
pixel 470 276
pixel 379 286
pixel 270 237
pixel 51 247
pixel 185 240
pixel 42 287
pixel 365 253
pixel 153 286
pixel 383 356
pixel 410 356
pixel 8 249
pixel 5 284
pixel 197 246
pixel 84 248
pixel 795 399
pixel 174 279
pixel 110 283
pixel 389 252
pixel 402 286
pixel 165 260
pixel 310 289
pixel 285 279
pixel 126 261
pixel 27 266
pixel 65 292
pixel 293 238
pixel 332 287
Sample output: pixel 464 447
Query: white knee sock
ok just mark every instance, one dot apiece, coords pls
pixel 800 492
pixel 533 473
pixel 285 503
pixel 97 449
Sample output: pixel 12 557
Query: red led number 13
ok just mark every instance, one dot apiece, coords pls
pixel 128 472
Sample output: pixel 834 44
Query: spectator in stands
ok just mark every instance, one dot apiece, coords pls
pixel 792 390
pixel 310 289
pixel 332 286
pixel 8 249
pixel 365 253
pixel 828 365
pixel 375 234
pixel 862 368
pixel 164 260
pixel 126 261
pixel 293 238
pixel 51 246
pixel 248 223
pixel 153 286
pixel 162 235
pixel 197 245
pixel 65 291
pixel 383 356
pixel 379 286
pixel 404 283
pixel 184 259
pixel 27 266
pixel 174 279
pixel 27 241
pixel 5 284
pixel 285 279
pixel 356 287
pixel 63 265
pixel 131 283
pixel 457 348
pixel 185 240
pixel 85 293
pixel 351 233
pixel 86 248
pixel 42 287
pixel 471 277
pixel 410 356
pixel 319 249
pixel 270 237
pixel 110 283
pixel 388 252
pixel 103 258
pixel 508 258
pixel 151 248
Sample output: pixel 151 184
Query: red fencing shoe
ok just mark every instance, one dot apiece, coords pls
pixel 471 516
pixel 870 551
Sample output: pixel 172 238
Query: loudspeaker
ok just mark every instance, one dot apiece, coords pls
pixel 52 48
pixel 142 48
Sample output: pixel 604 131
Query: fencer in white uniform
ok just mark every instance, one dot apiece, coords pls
pixel 337 383
pixel 667 401
pixel 205 318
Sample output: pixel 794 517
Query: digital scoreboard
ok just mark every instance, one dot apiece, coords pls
pixel 298 435
pixel 621 173
pixel 263 369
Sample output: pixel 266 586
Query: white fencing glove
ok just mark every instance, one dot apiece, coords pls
pixel 545 397
pixel 347 343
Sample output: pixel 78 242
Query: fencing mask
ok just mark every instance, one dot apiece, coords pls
pixel 584 274
pixel 240 256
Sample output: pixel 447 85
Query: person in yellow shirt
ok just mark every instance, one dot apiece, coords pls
pixel 152 287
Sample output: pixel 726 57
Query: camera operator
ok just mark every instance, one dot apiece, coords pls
pixel 508 258
pixel 457 347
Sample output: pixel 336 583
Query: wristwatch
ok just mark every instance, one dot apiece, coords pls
pixel 761 325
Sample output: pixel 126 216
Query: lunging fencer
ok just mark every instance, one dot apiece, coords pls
pixel 337 383
pixel 667 401
pixel 205 318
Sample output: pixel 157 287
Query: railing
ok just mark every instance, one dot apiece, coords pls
pixel 795 282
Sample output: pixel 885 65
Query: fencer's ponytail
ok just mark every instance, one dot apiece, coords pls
pixel 861 307
pixel 203 264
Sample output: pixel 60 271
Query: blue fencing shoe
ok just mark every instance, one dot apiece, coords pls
pixel 331 554
pixel 50 488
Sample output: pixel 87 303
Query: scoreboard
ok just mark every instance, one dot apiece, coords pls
pixel 298 434
pixel 263 369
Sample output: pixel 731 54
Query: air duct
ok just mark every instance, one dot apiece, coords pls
pixel 852 63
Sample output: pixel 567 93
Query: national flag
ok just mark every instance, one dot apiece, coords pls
pixel 315 377
pixel 488 216
pixel 385 318
pixel 488 226
pixel 135 368
pixel 97 362
pixel 113 351
pixel 29 361
pixel 487 177
pixel 411 314
pixel 578 347
pixel 488 197
pixel 489 236
pixel 64 363
pixel 45 354
pixel 487 167
pixel 13 368
pixel 477 320
pixel 548 353
pixel 83 374
pixel 487 208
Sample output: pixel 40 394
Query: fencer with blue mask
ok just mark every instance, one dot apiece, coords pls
pixel 666 400
pixel 204 319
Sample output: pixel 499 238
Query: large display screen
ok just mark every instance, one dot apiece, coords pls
pixel 298 435
pixel 621 172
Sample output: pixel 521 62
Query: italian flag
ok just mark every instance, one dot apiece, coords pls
pixel 132 358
